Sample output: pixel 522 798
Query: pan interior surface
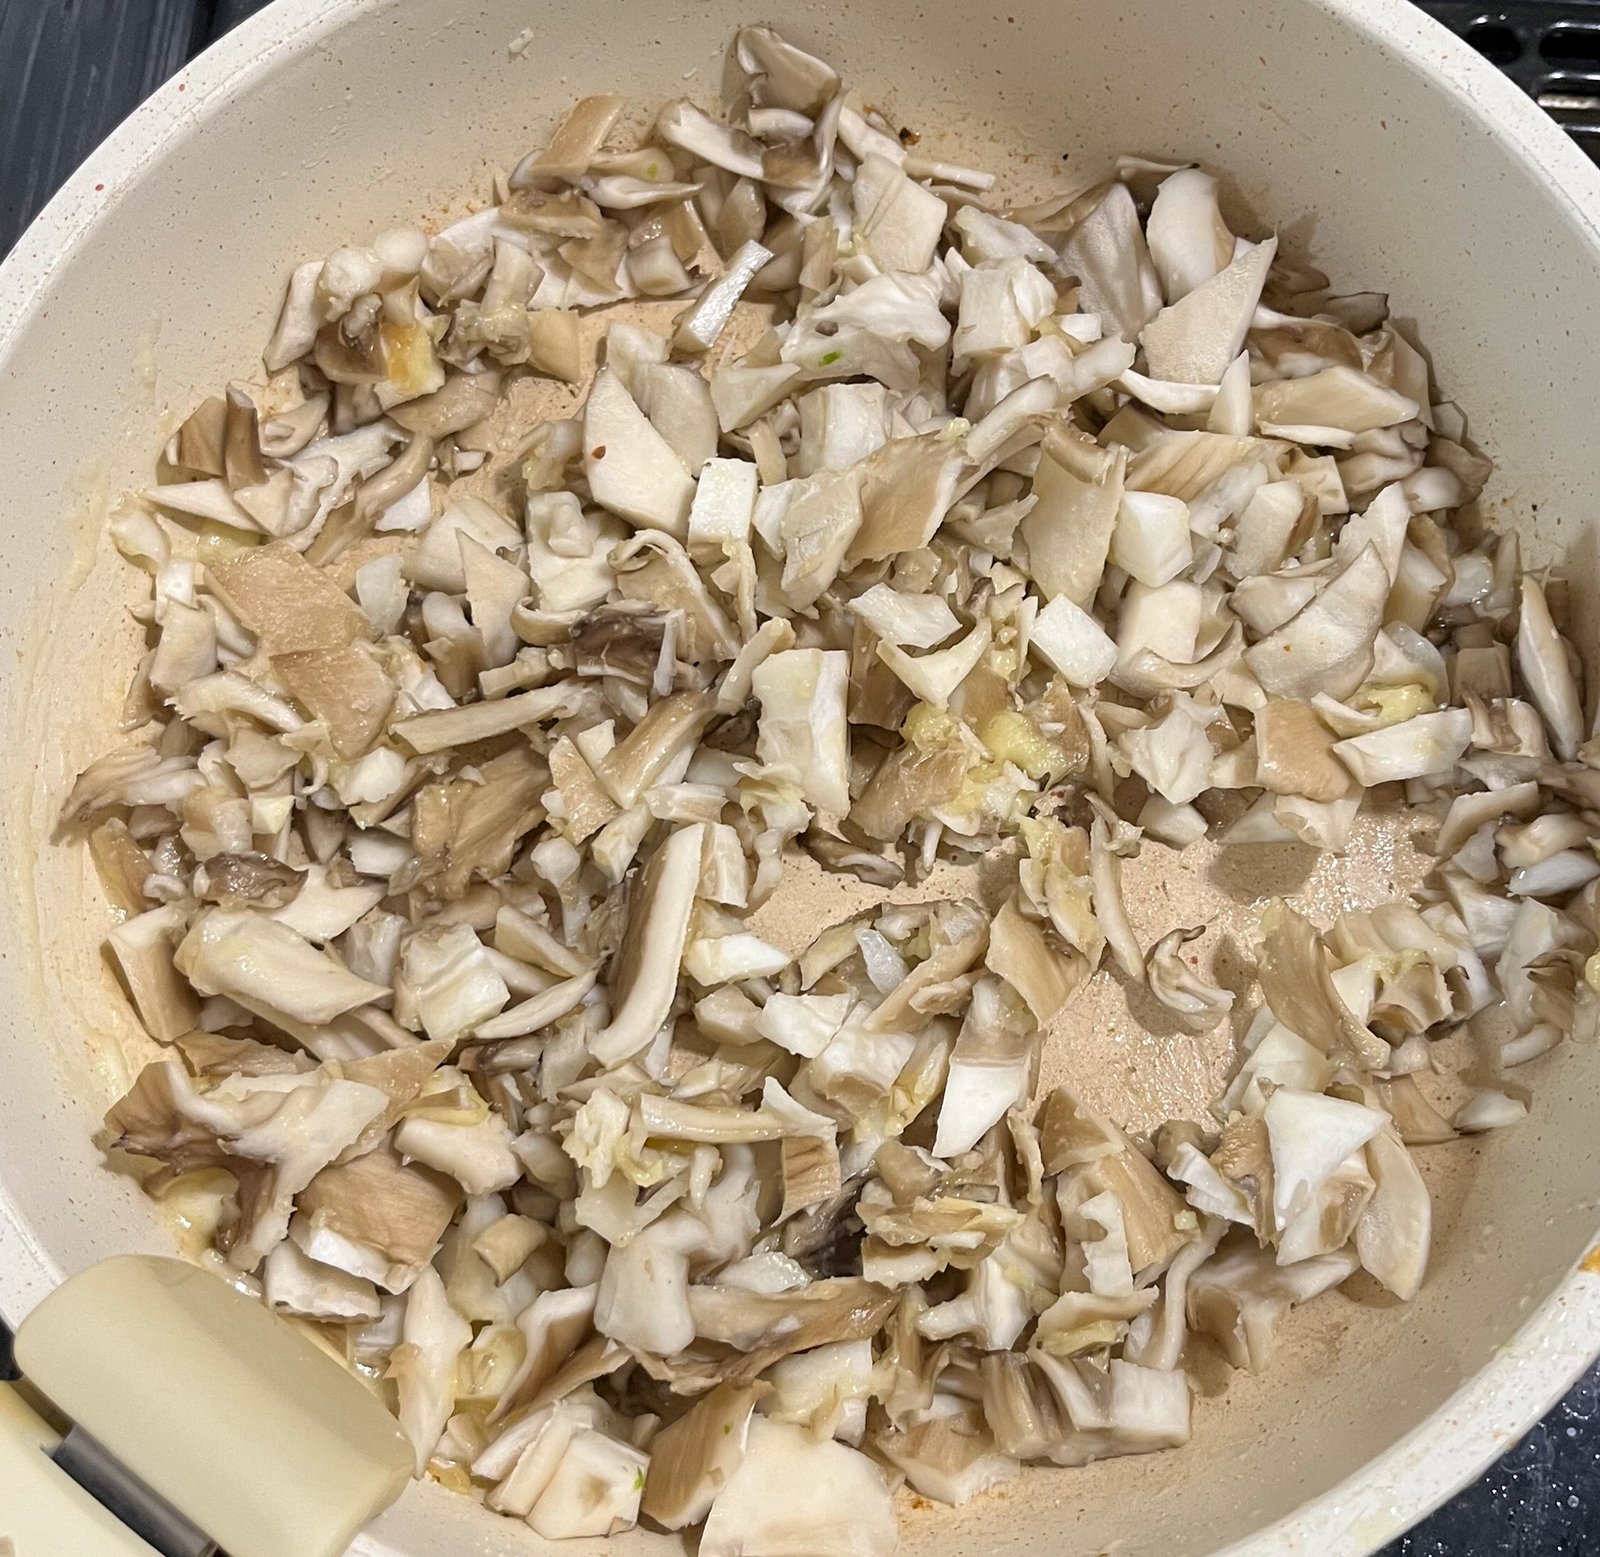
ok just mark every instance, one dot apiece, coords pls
pixel 320 123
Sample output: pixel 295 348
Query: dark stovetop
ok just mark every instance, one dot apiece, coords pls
pixel 71 69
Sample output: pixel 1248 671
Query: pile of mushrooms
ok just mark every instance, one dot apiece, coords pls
pixel 507 647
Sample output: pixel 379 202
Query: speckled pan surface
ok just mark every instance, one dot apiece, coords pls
pixel 1359 126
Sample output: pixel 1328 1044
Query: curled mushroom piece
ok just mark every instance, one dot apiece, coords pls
pixel 648 705
pixel 1198 1004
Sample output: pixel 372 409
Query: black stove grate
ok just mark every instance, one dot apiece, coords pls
pixel 1551 51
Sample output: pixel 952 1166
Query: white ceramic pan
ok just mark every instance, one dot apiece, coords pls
pixel 1373 136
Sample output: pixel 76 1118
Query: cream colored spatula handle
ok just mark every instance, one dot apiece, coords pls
pixel 215 1404
pixel 43 1511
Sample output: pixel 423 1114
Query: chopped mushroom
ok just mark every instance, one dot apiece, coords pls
pixel 1197 1004
pixel 824 1389
pixel 509 653
pixel 1395 1231
pixel 796 1496
pixel 692 1460
pixel 376 1217
pixel 1192 340
pixel 632 470
pixel 303 1289
pixel 1546 670
pixel 143 948
pixel 272 1133
pixel 1189 241
pixel 1327 646
pixel 949 1455
pixel 645 974
pixel 478 1156
pixel 803 733
pixel 594 1491
pixel 1240 1296
pixel 425 1362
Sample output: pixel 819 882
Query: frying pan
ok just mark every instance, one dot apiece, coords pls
pixel 1359 129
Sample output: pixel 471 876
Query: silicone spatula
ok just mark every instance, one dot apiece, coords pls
pixel 197 1394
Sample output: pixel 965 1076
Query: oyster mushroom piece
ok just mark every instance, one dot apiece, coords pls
pixel 1327 646
pixel 143 947
pixel 376 1217
pixel 897 219
pixel 1189 241
pixel 796 1496
pixel 424 1364
pixel 803 732
pixel 1193 340
pixel 1106 252
pixel 1546 671
pixel 273 1133
pixel 1197 1003
pixel 644 975
pixel 631 469
pixel 699 328
pixel 692 1460
pixel 1068 531
pixel 263 964
pixel 682 124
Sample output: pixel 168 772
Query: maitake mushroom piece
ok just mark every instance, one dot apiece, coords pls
pixel 502 658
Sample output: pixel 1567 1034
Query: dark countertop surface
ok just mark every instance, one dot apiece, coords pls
pixel 70 70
